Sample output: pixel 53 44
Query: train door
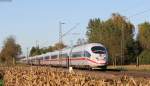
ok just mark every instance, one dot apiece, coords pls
pixel 69 57
pixel 59 58
pixel 67 61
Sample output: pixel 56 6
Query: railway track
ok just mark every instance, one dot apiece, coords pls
pixel 109 73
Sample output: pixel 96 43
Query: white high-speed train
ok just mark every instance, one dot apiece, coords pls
pixel 93 55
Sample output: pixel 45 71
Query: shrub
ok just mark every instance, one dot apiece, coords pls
pixel 144 57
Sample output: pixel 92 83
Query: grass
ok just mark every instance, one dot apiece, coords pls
pixel 131 67
pixel 1 82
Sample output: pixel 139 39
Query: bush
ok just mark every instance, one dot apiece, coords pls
pixel 144 57
pixel 1 82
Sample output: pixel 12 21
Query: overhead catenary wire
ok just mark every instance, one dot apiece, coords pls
pixel 66 33
pixel 139 13
pixel 71 29
pixel 131 7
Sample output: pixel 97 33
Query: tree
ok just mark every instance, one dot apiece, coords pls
pixel 50 49
pixel 144 40
pixel 122 38
pixel 58 46
pixel 144 35
pixel 10 51
pixel 35 51
pixel 95 30
pixel 32 51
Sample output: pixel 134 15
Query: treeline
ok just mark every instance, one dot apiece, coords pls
pixel 35 50
pixel 116 33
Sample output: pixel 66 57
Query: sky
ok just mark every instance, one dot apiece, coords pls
pixel 37 21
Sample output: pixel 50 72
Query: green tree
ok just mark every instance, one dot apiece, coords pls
pixel 144 39
pixel 95 30
pixel 32 51
pixel 10 51
pixel 35 51
pixel 121 35
pixel 144 35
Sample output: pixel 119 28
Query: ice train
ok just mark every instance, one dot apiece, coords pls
pixel 92 55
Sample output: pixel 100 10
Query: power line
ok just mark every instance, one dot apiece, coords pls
pixel 66 33
pixel 131 7
pixel 139 13
pixel 70 30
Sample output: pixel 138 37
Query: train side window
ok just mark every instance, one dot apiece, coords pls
pixel 54 57
pixel 76 54
pixel 64 55
pixel 87 54
pixel 46 57
pixel 32 59
pixel 41 58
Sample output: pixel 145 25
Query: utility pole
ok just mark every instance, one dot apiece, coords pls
pixel 60 39
pixel 61 35
pixel 70 54
pixel 60 31
pixel 27 55
pixel 36 43
pixel 122 45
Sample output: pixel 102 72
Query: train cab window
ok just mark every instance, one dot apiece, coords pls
pixel 54 57
pixel 46 57
pixel 87 54
pixel 98 50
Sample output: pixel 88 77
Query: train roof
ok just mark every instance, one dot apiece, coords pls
pixel 90 44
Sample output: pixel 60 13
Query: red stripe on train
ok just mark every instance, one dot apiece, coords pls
pixel 102 61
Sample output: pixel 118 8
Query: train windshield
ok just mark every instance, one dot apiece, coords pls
pixel 98 50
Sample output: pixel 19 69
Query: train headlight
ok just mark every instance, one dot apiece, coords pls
pixel 97 58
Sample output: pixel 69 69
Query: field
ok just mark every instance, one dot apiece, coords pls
pixel 46 76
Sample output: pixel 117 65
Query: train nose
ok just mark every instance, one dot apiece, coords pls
pixel 100 60
pixel 102 55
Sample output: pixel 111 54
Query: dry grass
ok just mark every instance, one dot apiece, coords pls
pixel 44 76
pixel 132 67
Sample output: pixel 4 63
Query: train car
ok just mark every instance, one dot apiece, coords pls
pixel 92 55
